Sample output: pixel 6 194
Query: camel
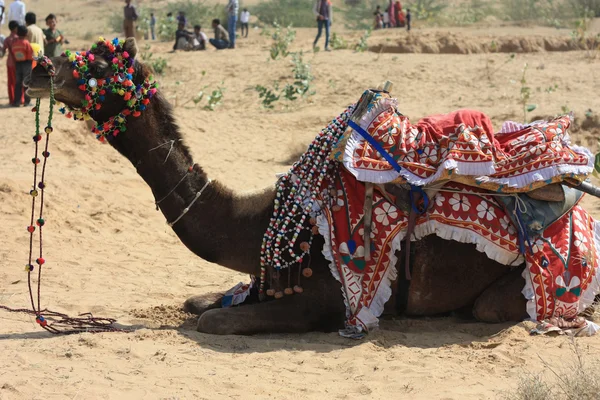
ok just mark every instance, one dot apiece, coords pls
pixel 227 229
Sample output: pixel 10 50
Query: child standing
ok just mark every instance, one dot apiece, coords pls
pixel 54 38
pixel 23 53
pixel 244 19
pixel 386 18
pixel 10 61
pixel 408 19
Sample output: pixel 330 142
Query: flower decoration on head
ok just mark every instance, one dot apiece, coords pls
pixel 136 96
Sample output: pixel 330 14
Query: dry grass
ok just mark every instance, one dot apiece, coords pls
pixel 579 381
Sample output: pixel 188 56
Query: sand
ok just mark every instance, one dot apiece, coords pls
pixel 109 252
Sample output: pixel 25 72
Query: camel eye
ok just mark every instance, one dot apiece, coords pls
pixel 98 69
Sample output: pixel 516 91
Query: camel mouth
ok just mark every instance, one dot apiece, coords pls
pixel 39 86
pixel 38 93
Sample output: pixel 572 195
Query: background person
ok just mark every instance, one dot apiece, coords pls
pixel 53 37
pixel 199 39
pixel 35 35
pixel 182 37
pixel 244 19
pixel 16 12
pixel 152 26
pixel 10 61
pixel 2 14
pixel 324 13
pixel 220 40
pixel 23 53
pixel 129 17
pixel 233 8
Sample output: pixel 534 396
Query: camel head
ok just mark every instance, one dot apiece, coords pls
pixel 104 83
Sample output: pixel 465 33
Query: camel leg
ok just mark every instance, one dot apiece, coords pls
pixel 202 303
pixel 292 314
pixel 502 301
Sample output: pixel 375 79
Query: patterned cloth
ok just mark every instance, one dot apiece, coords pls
pixel 561 274
pixel 461 146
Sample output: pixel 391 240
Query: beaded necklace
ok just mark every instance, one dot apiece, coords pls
pixel 296 196
pixel 137 97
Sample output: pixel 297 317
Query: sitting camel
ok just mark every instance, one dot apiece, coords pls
pixel 227 229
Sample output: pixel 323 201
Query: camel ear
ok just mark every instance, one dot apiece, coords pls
pixel 131 47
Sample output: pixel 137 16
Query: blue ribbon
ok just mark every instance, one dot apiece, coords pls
pixel 376 145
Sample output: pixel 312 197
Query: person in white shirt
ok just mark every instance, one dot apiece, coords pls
pixel 16 12
pixel 2 13
pixel 386 18
pixel 244 19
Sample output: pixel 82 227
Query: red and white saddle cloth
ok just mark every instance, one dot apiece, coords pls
pixel 462 146
pixel 562 274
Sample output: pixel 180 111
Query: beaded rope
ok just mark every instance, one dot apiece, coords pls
pixel 297 192
pixel 59 323
pixel 137 97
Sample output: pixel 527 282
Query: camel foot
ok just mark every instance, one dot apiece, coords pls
pixel 198 305
pixel 292 314
pixel 502 301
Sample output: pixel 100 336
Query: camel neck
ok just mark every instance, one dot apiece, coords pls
pixel 218 226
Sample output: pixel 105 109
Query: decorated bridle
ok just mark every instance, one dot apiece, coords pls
pixel 136 96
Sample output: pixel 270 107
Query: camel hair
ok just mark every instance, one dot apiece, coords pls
pixel 227 229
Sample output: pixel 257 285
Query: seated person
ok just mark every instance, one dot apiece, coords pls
pixel 199 39
pixel 221 40
pixel 182 37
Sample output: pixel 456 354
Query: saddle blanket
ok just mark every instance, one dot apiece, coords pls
pixel 461 147
pixel 561 274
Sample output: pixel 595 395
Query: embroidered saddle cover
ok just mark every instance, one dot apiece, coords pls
pixel 461 147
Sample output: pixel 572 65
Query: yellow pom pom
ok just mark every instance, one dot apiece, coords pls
pixel 121 92
pixel 86 117
pixel 72 57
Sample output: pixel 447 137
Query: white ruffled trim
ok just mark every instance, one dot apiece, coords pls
pixel 588 296
pixel 483 245
pixel 529 294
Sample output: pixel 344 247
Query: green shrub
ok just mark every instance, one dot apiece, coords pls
pixel 362 44
pixel 298 13
pixel 426 9
pixel 337 42
pixel 281 41
pixel 359 15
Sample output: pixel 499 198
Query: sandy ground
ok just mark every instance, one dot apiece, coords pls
pixel 111 253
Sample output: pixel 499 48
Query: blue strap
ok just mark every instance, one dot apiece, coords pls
pixel 418 189
pixel 376 145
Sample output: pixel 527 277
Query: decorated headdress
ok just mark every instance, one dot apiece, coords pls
pixel 136 96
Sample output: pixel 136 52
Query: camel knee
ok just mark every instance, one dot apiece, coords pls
pixel 502 301
pixel 214 322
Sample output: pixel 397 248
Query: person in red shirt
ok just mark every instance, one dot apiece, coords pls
pixel 10 61
pixel 23 54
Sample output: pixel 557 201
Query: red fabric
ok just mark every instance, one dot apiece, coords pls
pixel 561 266
pixel 10 59
pixel 12 83
pixel 428 149
pixel 392 13
pixel 21 50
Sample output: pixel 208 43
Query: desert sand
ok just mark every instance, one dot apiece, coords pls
pixel 110 253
